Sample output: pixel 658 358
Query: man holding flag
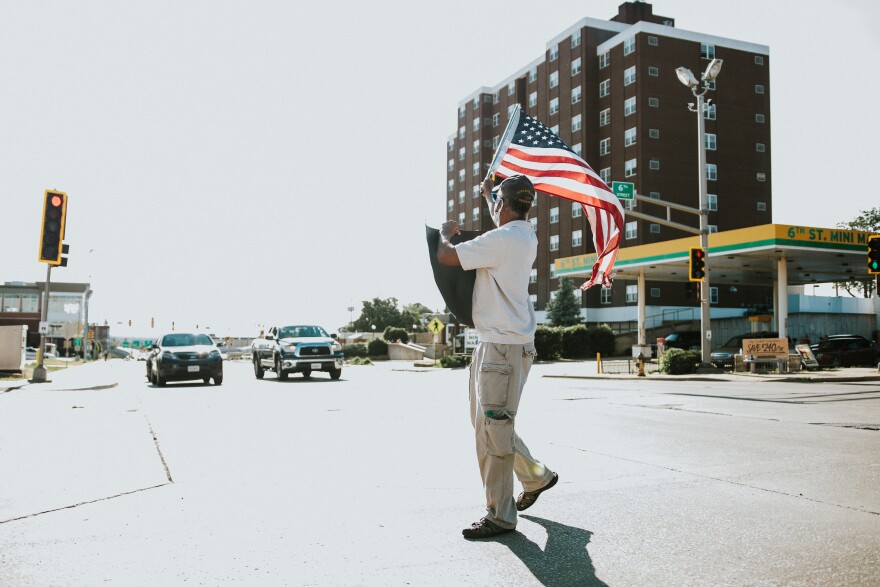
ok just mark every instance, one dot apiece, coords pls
pixel 530 157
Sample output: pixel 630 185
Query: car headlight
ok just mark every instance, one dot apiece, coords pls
pixel 214 354
pixel 166 355
pixel 336 347
pixel 290 348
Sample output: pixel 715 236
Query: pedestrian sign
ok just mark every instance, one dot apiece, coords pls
pixel 624 190
pixel 435 326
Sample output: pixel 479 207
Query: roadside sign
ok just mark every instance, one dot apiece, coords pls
pixel 77 342
pixel 624 190
pixel 44 327
pixel 435 326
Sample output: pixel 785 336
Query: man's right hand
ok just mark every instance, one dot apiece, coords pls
pixel 449 229
pixel 486 188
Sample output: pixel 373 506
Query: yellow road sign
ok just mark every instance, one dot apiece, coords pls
pixel 435 326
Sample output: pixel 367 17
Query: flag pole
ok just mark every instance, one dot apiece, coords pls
pixel 506 138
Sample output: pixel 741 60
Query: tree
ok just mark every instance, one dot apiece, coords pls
pixel 413 315
pixel 379 313
pixel 564 309
pixel 867 221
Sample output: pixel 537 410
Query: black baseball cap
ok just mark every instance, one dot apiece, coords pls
pixel 517 188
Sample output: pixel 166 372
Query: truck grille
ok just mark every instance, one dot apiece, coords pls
pixel 186 356
pixel 313 351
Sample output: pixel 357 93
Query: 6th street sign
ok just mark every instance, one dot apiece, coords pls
pixel 624 190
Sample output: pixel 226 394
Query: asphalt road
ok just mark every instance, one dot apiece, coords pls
pixel 370 479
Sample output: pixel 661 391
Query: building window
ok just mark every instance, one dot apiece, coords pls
pixel 554 53
pixel 604 60
pixel 461 111
pixel 629 106
pixel 461 175
pixel 576 123
pixel 761 176
pixel 533 75
pixel 711 141
pixel 476 124
pixel 577 238
pixel 605 174
pixel 461 218
pixel 533 99
pixel 577 210
pixel 709 112
pixel 576 95
pixel 510 110
pixel 759 147
pixel 632 293
pixel 629 75
pixel 495 140
pixel 450 165
pixel 759 118
pixel 554 106
pixel 461 153
pixel 654 102
pixel 450 145
pixel 629 137
pixel 707 51
pixel 533 299
pixel 605 117
pixel 461 197
pixel 534 223
pixel 511 88
pixel 711 172
pixel 475 192
pixel 653 41
pixel 759 60
pixel 759 89
pixel 762 206
pixel 476 147
pixel 450 205
pixel 629 46
pixel 576 66
pixel 605 146
pixel 605 295
pixel 604 88
pixel 496 119
pixel 654 71
pixel 654 164
pixel 713 295
pixel 476 169
pixel 653 133
pixel 655 291
pixel 655 229
pixel 629 168
pixel 713 228
pixel 654 195
pixel 461 132
pixel 476 214
pixel 554 215
pixel 476 102
pixel 555 129
pixel 712 201
pixel 488 98
pixel 450 185
pixel 575 39
pixel 554 79
pixel 554 242
pixel 578 149
pixel 533 276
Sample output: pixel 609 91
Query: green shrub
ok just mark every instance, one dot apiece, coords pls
pixel 576 342
pixel 360 361
pixel 377 348
pixel 354 350
pixel 394 334
pixel 680 362
pixel 453 361
pixel 548 343
pixel 602 340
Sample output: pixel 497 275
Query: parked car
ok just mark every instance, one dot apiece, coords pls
pixel 846 352
pixel 181 356
pixel 297 349
pixel 686 340
pixel 723 356
pixel 814 347
pixel 30 354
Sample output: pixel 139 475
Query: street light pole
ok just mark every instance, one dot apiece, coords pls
pixel 699 91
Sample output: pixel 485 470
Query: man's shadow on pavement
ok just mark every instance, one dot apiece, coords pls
pixel 564 561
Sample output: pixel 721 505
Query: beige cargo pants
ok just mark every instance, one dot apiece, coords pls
pixel 497 377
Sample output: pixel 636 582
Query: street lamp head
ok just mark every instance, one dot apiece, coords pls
pixel 713 69
pixel 686 76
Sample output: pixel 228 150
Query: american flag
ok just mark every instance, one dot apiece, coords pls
pixel 529 148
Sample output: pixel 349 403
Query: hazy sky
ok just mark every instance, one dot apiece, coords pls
pixel 231 164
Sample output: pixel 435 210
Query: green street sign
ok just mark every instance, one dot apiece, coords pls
pixel 624 190
pixel 77 342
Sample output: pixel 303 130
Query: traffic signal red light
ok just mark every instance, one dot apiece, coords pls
pixel 874 255
pixel 697 265
pixel 52 231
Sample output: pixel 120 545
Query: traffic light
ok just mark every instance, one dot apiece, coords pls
pixel 874 255
pixel 52 232
pixel 697 265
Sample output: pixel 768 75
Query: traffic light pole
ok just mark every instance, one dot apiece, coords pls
pixel 705 324
pixel 40 372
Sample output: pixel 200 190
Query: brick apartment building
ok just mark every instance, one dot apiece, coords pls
pixel 609 89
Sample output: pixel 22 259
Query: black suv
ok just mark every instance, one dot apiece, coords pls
pixel 297 349
pixel 687 340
